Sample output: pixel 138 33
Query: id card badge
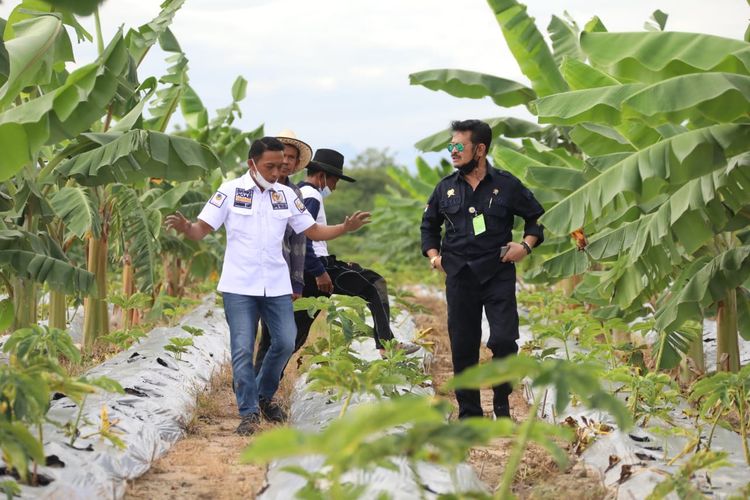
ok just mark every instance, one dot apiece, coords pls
pixel 479 226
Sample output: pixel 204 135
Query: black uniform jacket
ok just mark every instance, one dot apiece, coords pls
pixel 499 197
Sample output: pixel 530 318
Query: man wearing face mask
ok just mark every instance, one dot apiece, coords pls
pixel 297 155
pixel 324 273
pixel 477 205
pixel 255 211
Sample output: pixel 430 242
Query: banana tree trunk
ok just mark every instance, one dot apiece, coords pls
pixel 95 313
pixel 57 310
pixel 728 352
pixel 24 303
pixel 128 288
pixel 172 275
pixel 569 285
pixel 694 365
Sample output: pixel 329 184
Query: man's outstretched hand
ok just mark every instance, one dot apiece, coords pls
pixel 177 221
pixel 356 220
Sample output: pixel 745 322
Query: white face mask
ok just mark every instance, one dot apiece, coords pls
pixel 263 183
pixel 325 191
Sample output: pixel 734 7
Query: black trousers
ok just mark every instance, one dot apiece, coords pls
pixel 348 279
pixel 466 298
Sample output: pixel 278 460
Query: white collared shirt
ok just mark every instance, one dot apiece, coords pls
pixel 320 247
pixel 255 222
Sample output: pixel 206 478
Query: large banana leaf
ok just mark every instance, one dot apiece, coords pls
pixel 62 114
pixel 39 258
pixel 4 62
pixel 656 56
pixel 650 171
pixel 193 111
pixel 168 98
pixel 138 228
pixel 139 42
pixel 504 126
pixel 564 36
pixel 138 154
pixel 698 97
pixel 558 178
pixel 648 247
pixel 461 83
pixel 528 47
pixel 708 285
pixel 40 46
pixel 78 211
pixel 599 140
pixel 79 7
pixel 598 105
pixel 580 75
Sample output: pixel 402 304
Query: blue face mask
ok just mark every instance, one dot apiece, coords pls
pixel 325 191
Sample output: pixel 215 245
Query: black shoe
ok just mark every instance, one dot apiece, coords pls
pixel 248 425
pixel 271 410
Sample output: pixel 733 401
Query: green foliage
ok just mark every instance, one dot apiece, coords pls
pixel 42 343
pixel 124 338
pixel 652 394
pixel 577 379
pixel 460 83
pixel 10 488
pixel 722 393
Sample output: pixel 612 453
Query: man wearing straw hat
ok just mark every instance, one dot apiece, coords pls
pixel 297 155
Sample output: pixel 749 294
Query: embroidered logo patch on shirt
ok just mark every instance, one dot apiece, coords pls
pixel 217 200
pixel 300 206
pixel 278 200
pixel 243 198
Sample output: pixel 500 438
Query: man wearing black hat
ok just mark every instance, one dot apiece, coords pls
pixel 324 273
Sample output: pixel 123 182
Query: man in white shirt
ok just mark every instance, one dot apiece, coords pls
pixel 255 210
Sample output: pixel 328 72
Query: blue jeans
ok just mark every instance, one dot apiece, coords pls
pixel 243 312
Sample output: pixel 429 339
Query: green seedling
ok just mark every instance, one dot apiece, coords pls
pixel 178 346
pixel 651 395
pixel 10 488
pixel 193 330
pixel 125 338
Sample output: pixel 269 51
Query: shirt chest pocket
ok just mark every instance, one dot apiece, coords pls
pixel 497 214
pixel 243 223
pixel 449 207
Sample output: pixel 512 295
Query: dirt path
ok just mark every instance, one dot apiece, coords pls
pixel 538 476
pixel 205 464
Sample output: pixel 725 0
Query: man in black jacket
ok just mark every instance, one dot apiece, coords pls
pixel 477 204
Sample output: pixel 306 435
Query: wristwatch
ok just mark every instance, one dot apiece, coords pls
pixel 526 247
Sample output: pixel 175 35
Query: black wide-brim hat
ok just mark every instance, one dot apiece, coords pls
pixel 330 162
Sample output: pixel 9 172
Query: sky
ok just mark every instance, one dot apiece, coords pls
pixel 337 71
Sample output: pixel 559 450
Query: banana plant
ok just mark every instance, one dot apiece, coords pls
pixel 673 212
pixel 654 184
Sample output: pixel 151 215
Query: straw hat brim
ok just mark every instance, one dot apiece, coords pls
pixel 305 152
